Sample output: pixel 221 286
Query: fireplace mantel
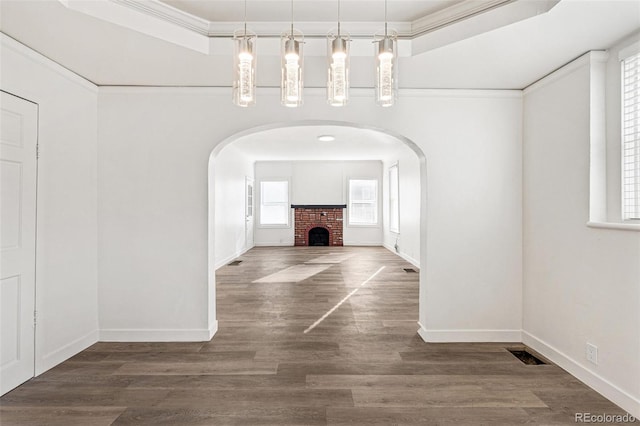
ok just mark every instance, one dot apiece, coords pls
pixel 318 206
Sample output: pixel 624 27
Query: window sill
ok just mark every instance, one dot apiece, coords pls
pixel 613 225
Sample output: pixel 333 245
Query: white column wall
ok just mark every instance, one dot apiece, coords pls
pixel 154 145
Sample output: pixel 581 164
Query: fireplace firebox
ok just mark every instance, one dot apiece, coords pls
pixel 318 236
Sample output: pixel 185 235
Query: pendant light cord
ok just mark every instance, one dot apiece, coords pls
pixel 245 18
pixel 385 18
pixel 338 18
pixel 292 19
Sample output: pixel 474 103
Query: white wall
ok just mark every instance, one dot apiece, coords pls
pixel 319 182
pixel 66 264
pixel 154 145
pixel 580 284
pixel 408 239
pixel 231 169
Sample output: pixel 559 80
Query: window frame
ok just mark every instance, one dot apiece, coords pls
pixel 376 203
pixel 633 218
pixel 287 203
pixel 394 203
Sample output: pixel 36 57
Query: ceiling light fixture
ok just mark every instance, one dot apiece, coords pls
pixel 244 65
pixel 326 138
pixel 291 66
pixel 386 48
pixel 338 67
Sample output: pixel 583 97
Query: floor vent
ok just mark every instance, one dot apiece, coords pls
pixel 526 357
pixel 410 270
pixel 235 263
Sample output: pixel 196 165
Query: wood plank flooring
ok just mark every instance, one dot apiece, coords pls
pixel 363 364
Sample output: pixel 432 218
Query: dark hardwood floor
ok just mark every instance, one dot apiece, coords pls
pixel 363 364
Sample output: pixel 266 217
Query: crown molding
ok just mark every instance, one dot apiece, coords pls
pixel 152 22
pixel 165 22
pixel 169 13
pixel 455 13
pixel 441 30
pixel 586 59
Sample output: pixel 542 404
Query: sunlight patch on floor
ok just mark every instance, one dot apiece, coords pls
pixel 330 311
pixel 294 274
pixel 331 258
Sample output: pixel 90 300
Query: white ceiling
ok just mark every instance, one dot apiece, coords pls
pixel 508 57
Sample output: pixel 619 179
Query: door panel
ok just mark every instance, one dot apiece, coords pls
pixel 18 165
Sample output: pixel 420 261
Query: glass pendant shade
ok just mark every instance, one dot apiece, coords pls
pixel 291 68
pixel 386 72
pixel 244 68
pixel 338 69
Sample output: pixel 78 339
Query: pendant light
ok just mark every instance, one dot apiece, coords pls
pixel 291 66
pixel 338 66
pixel 244 65
pixel 386 52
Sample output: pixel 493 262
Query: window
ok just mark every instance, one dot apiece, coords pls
pixel 363 202
pixel 274 202
pixel 249 209
pixel 631 137
pixel 394 201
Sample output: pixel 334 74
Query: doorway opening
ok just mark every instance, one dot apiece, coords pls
pixel 282 144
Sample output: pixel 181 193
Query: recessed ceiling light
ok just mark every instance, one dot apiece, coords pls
pixel 326 138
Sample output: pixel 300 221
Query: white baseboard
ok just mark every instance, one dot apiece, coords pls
pixel 267 244
pixel 213 329
pixel 62 354
pixel 221 263
pixel 362 243
pixel 158 335
pixel 442 336
pixel 601 385
pixel 406 257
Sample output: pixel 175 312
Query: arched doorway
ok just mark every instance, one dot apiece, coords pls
pixel 371 132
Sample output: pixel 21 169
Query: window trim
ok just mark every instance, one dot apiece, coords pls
pixel 624 54
pixel 288 203
pixel 377 203
pixel 392 228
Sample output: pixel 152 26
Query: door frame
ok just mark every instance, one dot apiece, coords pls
pixel 34 324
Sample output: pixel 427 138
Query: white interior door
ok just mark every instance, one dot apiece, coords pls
pixel 18 166
pixel 249 209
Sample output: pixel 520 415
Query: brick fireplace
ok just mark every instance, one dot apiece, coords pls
pixel 309 217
